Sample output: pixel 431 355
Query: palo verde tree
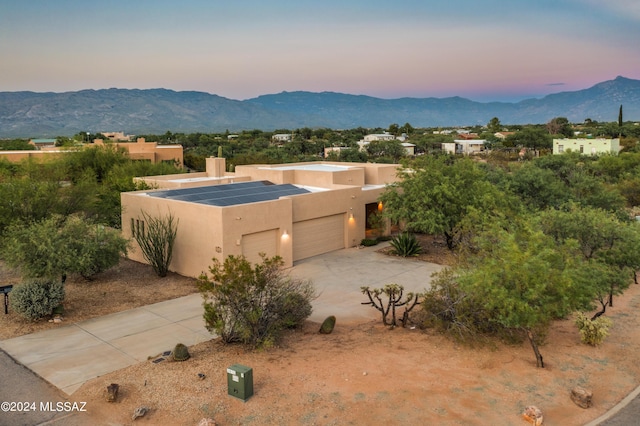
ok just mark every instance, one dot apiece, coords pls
pixel 156 237
pixel 253 304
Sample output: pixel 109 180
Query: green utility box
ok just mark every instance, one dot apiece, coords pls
pixel 240 381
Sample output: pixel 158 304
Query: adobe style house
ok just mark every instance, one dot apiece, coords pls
pixel 294 210
pixel 587 146
pixel 150 151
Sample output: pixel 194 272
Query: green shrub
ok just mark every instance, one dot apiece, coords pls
pixel 253 304
pixel 405 245
pixel 593 332
pixel 37 298
pixel 367 242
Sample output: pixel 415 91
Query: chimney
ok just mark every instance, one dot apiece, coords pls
pixel 216 167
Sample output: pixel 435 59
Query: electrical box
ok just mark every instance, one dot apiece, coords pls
pixel 240 381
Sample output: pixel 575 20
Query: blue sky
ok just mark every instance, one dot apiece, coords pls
pixel 480 49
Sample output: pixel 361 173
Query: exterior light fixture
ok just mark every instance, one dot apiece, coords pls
pixel 285 235
pixel 379 205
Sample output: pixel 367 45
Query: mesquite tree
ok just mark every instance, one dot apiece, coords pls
pixel 394 293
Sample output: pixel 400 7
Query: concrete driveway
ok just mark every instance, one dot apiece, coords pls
pixel 339 275
pixel 70 355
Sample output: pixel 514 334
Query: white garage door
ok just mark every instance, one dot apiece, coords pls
pixel 259 242
pixel 317 236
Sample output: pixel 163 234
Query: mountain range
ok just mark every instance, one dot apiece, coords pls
pixel 136 111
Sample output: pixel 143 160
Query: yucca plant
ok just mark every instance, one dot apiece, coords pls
pixel 406 244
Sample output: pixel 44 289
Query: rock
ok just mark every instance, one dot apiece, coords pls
pixel 57 320
pixel 112 392
pixel 533 415
pixel 207 422
pixel 582 397
pixel 139 412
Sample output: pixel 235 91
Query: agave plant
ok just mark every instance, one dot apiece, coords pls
pixel 405 245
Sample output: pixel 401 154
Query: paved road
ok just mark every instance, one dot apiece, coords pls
pixel 20 384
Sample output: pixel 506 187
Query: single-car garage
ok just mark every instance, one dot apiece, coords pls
pixel 259 242
pixel 317 236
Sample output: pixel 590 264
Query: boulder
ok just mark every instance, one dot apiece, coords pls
pixel 533 415
pixel 582 397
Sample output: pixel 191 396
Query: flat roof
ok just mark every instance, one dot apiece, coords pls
pixel 313 167
pixel 231 194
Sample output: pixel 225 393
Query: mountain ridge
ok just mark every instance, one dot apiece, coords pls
pixel 138 111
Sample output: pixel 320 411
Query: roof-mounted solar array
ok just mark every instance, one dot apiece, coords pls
pixel 231 194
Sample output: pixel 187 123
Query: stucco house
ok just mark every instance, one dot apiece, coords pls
pixel 587 146
pixel 466 147
pixel 294 210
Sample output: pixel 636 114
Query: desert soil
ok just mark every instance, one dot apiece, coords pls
pixel 361 374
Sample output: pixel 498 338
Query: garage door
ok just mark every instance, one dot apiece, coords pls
pixel 317 236
pixel 259 242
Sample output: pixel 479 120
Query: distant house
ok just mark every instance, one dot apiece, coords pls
pixel 587 146
pixel 409 148
pixel 117 136
pixel 42 143
pixel 151 151
pixel 466 147
pixel 386 136
pixel 337 149
pixel 281 137
pixel 468 136
pixel 503 135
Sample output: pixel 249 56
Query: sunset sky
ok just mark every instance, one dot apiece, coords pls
pixel 479 49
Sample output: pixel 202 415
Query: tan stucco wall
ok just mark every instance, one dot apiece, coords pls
pixel 206 231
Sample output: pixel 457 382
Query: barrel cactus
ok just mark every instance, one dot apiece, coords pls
pixel 327 325
pixel 180 353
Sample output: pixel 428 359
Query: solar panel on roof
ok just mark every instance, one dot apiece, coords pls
pixel 231 194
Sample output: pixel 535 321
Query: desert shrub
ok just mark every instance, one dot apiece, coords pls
pixel 368 242
pixel 406 244
pixel 60 245
pixel 593 332
pixel 448 309
pixel 394 300
pixel 253 304
pixel 37 298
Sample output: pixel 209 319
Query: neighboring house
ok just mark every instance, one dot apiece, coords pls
pixel 294 210
pixel 468 136
pixel 386 136
pixel 464 147
pixel 337 149
pixel 151 151
pixel 117 136
pixel 43 143
pixel 281 137
pixel 587 146
pixel 140 150
pixel 503 135
pixel 409 148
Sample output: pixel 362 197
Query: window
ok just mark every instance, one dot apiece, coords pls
pixel 560 148
pixel 581 149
